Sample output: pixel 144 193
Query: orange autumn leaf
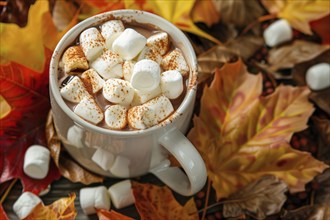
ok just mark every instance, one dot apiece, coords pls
pixel 298 13
pixel 62 209
pixel 243 136
pixel 103 214
pixel 205 11
pixel 177 12
pixel 155 202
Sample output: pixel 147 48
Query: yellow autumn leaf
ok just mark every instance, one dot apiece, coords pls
pixel 299 13
pixel 243 136
pixel 205 11
pixel 177 12
pixel 5 108
pixel 62 209
pixel 25 45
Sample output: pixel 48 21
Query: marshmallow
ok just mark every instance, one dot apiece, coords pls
pixel 278 32
pixel 93 198
pixel 74 59
pixel 92 79
pixel 103 158
pixel 151 54
pixel 25 204
pixel 74 91
pixel 141 97
pixel 159 108
pixel 159 42
pixel 118 91
pixel 89 110
pixel 150 113
pixel 92 43
pixel 110 30
pixel 318 76
pixel 129 43
pixel 121 194
pixel 36 162
pixel 146 75
pixel 171 84
pixel 108 65
pixel 135 117
pixel 45 191
pixel 175 61
pixel 75 136
pixel 128 69
pixel 115 117
pixel 120 168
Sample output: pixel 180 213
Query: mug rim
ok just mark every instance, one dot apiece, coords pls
pixel 97 19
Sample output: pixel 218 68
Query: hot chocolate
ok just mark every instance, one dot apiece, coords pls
pixel 123 76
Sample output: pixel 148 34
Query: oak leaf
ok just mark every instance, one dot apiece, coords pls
pixel 103 214
pixel 289 55
pixel 298 13
pixel 62 209
pixel 26 92
pixel 177 12
pixel 66 165
pixel 258 199
pixel 155 202
pixel 243 136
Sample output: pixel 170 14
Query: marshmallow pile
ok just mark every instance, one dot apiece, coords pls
pixel 137 77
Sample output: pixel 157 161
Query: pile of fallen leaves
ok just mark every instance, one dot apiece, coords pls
pixel 263 135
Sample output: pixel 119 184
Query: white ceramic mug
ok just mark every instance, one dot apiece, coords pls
pixel 133 153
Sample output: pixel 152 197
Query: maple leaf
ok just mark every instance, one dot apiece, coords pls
pixel 299 13
pixel 66 165
pixel 204 11
pixel 3 215
pixel 62 209
pixel 177 12
pixel 243 136
pixel 39 32
pixel 26 92
pixel 103 214
pixel 155 202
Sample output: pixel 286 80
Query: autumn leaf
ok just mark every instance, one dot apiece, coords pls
pixel 66 165
pixel 298 13
pixel 62 209
pixel 204 11
pixel 5 107
pixel 155 202
pixel 40 32
pixel 258 199
pixel 243 136
pixel 103 214
pixel 289 55
pixel 177 12
pixel 3 215
pixel 26 91
pixel 321 27
pixel 15 11
pixel 310 212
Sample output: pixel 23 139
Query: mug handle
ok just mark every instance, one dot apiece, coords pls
pixel 194 178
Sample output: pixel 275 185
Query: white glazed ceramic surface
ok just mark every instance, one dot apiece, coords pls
pixel 134 152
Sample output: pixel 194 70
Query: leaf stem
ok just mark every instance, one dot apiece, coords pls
pixel 206 199
pixel 259 20
pixel 3 198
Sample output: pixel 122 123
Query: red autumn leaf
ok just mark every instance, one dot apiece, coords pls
pixel 111 215
pixel 26 91
pixel 321 27
pixel 155 202
pixel 3 215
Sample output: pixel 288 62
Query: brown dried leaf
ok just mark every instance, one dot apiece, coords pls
pixel 67 167
pixel 287 56
pixel 322 195
pixel 204 11
pixel 239 12
pixel 310 212
pixel 322 125
pixel 320 98
pixel 244 46
pixel 259 199
pixel 63 13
